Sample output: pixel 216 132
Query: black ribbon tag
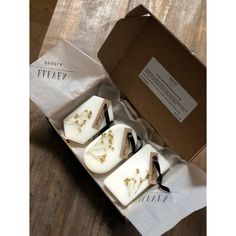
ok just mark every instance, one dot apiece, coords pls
pixel 107 118
pixel 159 178
pixel 132 142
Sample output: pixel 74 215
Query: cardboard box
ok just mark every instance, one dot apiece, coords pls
pixel 162 81
pixel 129 47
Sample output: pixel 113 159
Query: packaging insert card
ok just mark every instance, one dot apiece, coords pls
pixel 177 100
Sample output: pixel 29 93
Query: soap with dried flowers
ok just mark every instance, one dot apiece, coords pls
pixel 87 120
pixel 131 178
pixel 109 149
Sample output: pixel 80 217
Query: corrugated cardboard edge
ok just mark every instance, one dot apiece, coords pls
pixel 204 146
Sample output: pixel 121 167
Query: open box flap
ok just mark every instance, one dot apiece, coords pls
pixel 133 42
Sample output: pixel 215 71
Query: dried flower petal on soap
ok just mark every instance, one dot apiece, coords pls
pixel 133 184
pixel 102 147
pixel 80 119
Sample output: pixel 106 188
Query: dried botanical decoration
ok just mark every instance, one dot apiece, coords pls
pixel 133 184
pixel 80 119
pixel 102 147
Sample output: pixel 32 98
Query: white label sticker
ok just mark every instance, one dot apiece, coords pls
pixel 168 90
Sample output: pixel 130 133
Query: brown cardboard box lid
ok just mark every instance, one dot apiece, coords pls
pixel 131 44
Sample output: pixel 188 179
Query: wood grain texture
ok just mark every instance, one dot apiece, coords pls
pixel 64 199
pixel 40 15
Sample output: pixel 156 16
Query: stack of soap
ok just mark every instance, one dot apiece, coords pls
pixel 131 178
pixel 110 148
pixel 87 120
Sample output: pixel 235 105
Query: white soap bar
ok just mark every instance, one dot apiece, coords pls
pixel 131 178
pixel 78 126
pixel 104 152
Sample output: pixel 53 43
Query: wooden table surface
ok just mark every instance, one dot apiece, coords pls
pixel 64 199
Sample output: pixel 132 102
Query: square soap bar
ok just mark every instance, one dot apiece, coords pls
pixel 131 178
pixel 87 120
pixel 110 148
